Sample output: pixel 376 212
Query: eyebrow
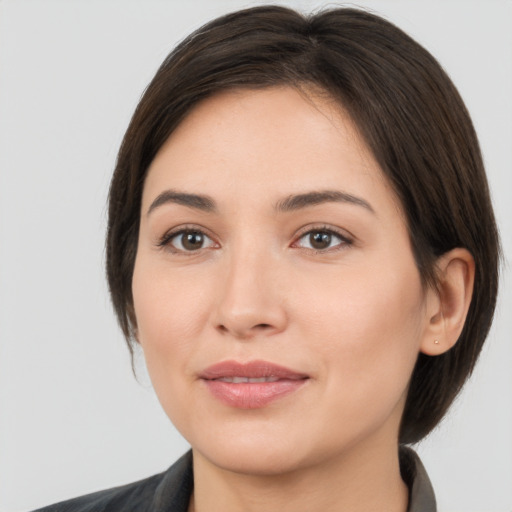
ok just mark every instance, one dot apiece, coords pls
pixel 299 201
pixel 199 202
pixel 288 204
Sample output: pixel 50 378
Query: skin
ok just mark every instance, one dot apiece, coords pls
pixel 352 315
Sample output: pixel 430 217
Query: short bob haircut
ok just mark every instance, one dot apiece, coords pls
pixel 406 109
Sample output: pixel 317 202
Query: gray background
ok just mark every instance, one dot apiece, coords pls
pixel 72 417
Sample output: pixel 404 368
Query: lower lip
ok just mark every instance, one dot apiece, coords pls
pixel 252 395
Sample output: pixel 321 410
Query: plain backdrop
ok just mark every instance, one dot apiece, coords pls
pixel 72 417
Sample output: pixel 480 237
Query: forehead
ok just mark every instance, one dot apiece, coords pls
pixel 272 141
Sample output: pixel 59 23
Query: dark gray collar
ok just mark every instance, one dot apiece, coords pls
pixel 421 493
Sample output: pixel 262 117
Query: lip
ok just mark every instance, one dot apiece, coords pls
pixel 251 395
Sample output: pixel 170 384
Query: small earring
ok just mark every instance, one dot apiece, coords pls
pixel 436 342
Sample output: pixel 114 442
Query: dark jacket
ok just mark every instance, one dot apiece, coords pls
pixel 170 491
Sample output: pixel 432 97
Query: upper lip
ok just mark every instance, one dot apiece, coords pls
pixel 252 369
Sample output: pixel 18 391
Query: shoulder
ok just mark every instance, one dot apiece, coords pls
pixel 165 492
pixel 126 497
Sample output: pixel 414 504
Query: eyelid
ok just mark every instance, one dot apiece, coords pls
pixel 164 242
pixel 346 238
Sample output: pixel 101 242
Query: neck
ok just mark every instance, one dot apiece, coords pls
pixel 359 480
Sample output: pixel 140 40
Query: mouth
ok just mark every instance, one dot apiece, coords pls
pixel 240 380
pixel 251 385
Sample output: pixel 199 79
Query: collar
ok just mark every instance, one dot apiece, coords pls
pixel 414 474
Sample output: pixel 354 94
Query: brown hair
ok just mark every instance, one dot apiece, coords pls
pixel 405 107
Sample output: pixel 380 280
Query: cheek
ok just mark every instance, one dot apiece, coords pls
pixel 170 311
pixel 367 326
pixel 364 304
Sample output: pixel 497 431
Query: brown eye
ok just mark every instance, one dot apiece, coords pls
pixel 188 241
pixel 322 240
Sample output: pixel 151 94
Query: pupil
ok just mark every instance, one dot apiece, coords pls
pixel 320 240
pixel 192 241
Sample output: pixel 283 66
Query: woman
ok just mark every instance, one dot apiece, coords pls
pixel 301 241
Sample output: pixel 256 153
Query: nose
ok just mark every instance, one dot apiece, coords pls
pixel 250 301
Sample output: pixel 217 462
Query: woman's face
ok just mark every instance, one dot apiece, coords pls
pixel 277 300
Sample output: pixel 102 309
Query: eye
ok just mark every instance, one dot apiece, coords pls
pixel 187 240
pixel 322 240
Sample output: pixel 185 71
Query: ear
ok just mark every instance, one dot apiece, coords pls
pixel 448 303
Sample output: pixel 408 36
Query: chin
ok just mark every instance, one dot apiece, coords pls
pixel 256 462
pixel 255 454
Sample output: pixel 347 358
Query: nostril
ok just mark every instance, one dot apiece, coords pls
pixel 242 332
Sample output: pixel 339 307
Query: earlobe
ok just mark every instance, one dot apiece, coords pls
pixel 449 302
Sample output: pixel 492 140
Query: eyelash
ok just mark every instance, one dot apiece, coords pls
pixel 345 240
pixel 165 241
